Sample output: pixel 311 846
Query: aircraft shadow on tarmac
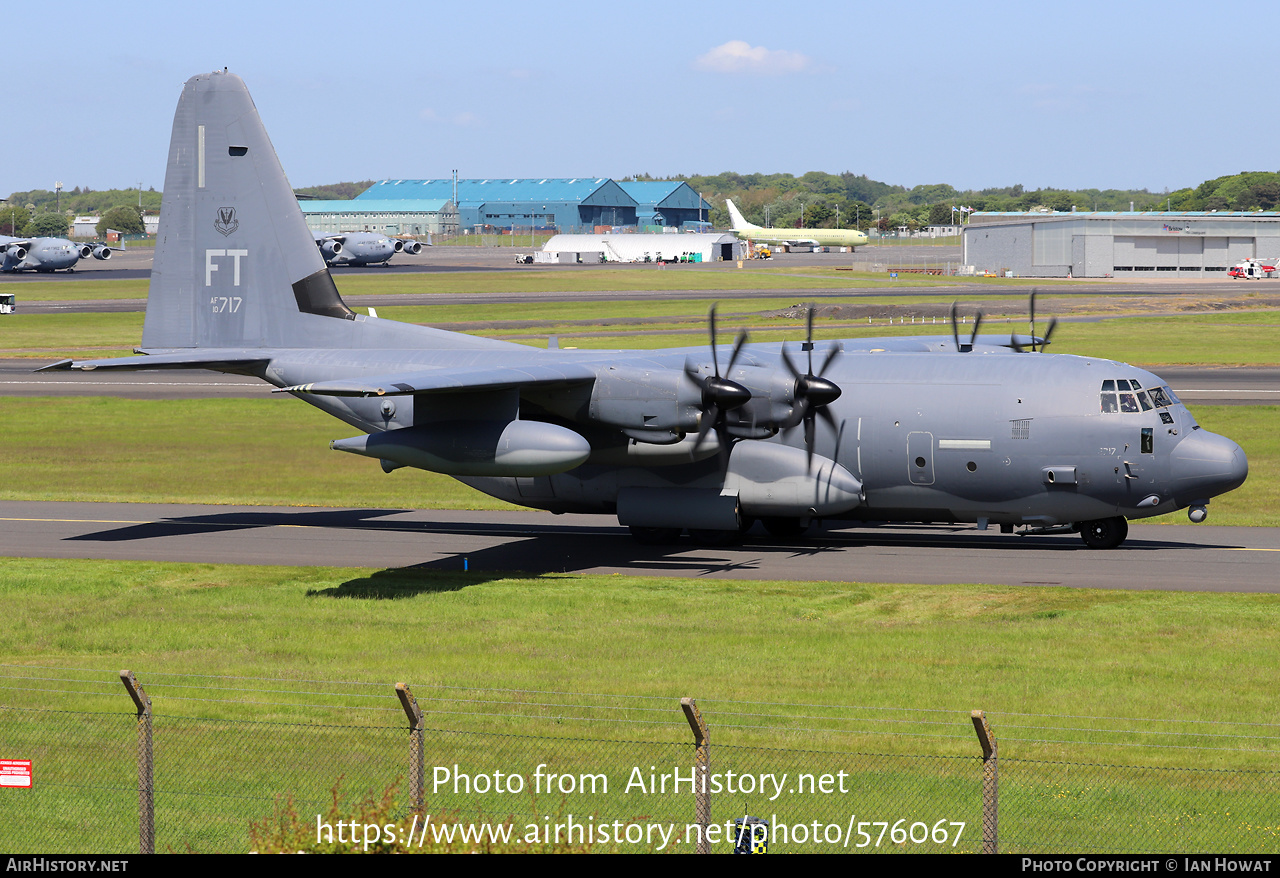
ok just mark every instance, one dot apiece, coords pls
pixel 551 548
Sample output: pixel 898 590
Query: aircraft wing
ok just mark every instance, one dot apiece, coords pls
pixel 446 380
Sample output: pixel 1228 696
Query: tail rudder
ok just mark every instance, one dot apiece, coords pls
pixel 235 264
pixel 734 214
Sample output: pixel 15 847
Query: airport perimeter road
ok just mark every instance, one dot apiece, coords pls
pixel 1170 558
pixel 1198 385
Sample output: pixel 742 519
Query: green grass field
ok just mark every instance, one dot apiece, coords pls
pixel 1089 693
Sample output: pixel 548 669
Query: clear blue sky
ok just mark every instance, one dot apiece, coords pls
pixel 976 94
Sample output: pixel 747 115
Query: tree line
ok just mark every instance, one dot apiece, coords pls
pixel 816 199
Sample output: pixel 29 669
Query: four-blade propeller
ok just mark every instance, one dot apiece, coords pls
pixel 720 395
pixel 813 393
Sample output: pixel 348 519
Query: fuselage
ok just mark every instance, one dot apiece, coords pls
pixel 363 248
pixel 820 237
pixel 39 254
pixel 999 438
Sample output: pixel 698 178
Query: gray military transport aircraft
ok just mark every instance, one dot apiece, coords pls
pixel 363 248
pixel 46 254
pixel 698 439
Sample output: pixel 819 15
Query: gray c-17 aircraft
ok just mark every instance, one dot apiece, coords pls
pixel 699 439
pixel 46 254
pixel 363 248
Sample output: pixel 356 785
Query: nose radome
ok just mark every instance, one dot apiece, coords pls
pixel 1204 465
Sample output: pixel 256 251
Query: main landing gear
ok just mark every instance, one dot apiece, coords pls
pixel 1104 533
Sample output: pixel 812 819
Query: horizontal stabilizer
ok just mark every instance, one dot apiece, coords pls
pixel 446 380
pixel 222 360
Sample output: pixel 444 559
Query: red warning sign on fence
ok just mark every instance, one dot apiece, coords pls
pixel 15 773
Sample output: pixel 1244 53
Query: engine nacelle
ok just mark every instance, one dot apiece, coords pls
pixel 772 480
pixel 85 250
pixel 476 448
pixel 413 248
pixel 15 252
pixel 637 399
pixel 101 252
pixel 331 249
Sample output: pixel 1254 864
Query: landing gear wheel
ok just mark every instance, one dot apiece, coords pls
pixel 1105 533
pixel 785 528
pixel 715 537
pixel 655 536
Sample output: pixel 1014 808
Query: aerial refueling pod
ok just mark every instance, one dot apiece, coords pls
pixel 475 448
pixel 764 480
pixel 101 251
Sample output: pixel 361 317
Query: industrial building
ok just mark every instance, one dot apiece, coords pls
pixel 706 247
pixel 668 203
pixel 569 205
pixel 412 216
pixel 1117 243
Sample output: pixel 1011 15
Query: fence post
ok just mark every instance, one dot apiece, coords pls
pixel 990 782
pixel 417 777
pixel 701 767
pixel 146 765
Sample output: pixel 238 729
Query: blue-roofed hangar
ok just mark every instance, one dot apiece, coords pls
pixel 578 203
pixel 569 205
pixel 1119 244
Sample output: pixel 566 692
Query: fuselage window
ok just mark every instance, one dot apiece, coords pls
pixel 1128 402
pixel 1144 402
pixel 1158 397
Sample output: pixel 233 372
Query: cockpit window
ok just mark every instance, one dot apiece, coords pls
pixel 1127 395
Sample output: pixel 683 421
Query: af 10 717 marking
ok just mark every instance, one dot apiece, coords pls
pixel 925 429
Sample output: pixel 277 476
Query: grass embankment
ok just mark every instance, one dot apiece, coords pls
pixel 276 452
pixel 1160 656
pixel 749 652
pixel 544 279
pixel 1235 339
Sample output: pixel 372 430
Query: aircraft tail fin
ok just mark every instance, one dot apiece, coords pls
pixel 235 264
pixel 739 222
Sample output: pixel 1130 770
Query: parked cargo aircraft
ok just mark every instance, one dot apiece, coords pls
pixel 793 237
pixel 363 248
pixel 46 254
pixel 703 439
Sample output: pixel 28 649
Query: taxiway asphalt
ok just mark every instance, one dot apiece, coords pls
pixel 1159 557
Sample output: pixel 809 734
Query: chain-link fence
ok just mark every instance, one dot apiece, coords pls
pixel 224 764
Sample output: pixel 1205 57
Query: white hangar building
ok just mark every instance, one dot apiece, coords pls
pixel 1119 244
pixel 709 246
